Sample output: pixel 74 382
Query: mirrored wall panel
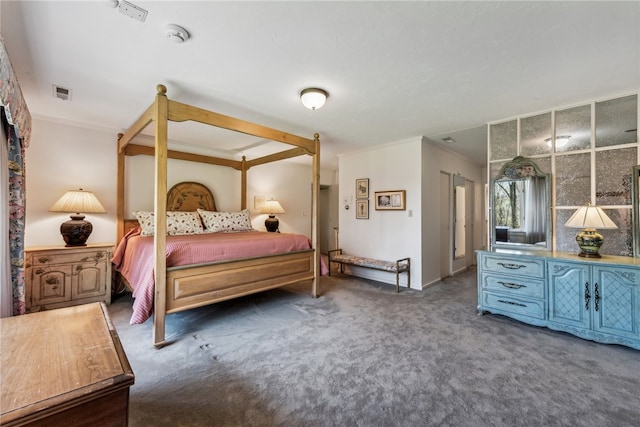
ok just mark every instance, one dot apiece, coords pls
pixel 565 237
pixel 494 169
pixel 573 129
pixel 544 164
pixel 617 121
pixel 573 179
pixel 613 184
pixel 591 158
pixel 535 135
pixel 620 241
pixel 503 140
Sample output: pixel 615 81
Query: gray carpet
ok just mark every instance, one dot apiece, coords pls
pixel 363 355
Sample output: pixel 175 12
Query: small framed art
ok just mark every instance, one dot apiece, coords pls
pixel 362 209
pixel 362 188
pixel 258 202
pixel 390 200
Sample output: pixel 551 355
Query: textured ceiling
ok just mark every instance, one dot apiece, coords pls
pixel 394 70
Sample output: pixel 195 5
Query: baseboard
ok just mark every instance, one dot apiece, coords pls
pixel 433 282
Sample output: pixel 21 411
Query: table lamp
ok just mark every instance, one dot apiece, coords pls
pixel 76 231
pixel 589 218
pixel 272 207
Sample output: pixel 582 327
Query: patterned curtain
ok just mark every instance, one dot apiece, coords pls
pixel 18 119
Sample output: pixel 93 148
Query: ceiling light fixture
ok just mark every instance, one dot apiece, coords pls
pixel 176 33
pixel 313 98
pixel 448 140
pixel 561 141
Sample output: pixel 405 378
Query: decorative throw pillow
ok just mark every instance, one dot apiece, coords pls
pixel 177 223
pixel 215 222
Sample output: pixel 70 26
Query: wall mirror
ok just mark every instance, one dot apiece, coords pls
pixel 520 206
pixel 459 219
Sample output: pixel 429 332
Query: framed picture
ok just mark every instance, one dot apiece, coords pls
pixel 362 209
pixel 258 202
pixel 390 200
pixel 362 188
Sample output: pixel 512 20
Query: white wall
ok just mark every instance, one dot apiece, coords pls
pixel 413 165
pixel 387 235
pixel 64 156
pixel 290 184
pixel 434 161
pixel 61 157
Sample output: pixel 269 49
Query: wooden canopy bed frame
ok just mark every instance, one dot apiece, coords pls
pixel 186 287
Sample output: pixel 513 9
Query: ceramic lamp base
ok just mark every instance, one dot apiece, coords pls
pixel 590 242
pixel 76 231
pixel 272 223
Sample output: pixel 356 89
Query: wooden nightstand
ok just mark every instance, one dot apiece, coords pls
pixel 63 276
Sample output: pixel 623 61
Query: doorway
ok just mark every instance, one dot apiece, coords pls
pixel 446 254
pixel 328 218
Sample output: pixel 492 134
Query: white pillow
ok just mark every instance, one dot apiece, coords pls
pixel 177 222
pixel 215 222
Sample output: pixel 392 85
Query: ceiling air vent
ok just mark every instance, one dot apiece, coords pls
pixel 61 93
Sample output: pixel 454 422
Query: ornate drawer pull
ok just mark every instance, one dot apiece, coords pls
pixel 44 260
pixel 587 296
pixel 512 285
pixel 511 266
pixel 512 303
pixel 596 297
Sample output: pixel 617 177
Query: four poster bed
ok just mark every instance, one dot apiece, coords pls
pixel 198 281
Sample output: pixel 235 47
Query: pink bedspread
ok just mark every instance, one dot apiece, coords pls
pixel 134 259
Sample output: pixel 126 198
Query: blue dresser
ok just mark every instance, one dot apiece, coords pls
pixel 595 299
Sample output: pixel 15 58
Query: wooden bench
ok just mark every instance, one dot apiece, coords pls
pixel 399 266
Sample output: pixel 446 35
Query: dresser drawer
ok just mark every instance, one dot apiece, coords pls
pixel 513 285
pixel 516 305
pixel 530 266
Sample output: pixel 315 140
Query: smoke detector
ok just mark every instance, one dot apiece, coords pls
pixel 176 33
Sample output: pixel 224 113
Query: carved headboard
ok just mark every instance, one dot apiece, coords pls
pixel 189 196
pixel 185 197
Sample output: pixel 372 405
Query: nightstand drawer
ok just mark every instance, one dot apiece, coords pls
pixel 45 259
pixel 507 303
pixel 531 267
pixel 513 285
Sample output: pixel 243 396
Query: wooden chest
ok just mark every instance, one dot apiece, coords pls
pixel 63 367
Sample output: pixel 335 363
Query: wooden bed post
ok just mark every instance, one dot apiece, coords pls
pixel 243 189
pixel 160 208
pixel 315 224
pixel 120 193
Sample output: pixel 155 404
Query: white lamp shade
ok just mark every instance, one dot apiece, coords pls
pixel 272 207
pixel 590 217
pixel 78 201
pixel 313 98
